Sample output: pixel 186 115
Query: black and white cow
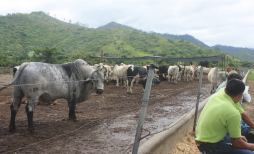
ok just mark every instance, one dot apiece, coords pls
pixel 73 81
pixel 138 74
pixel 135 73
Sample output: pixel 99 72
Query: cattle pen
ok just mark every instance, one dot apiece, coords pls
pixel 106 123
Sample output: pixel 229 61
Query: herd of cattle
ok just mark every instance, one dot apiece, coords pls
pixel 75 81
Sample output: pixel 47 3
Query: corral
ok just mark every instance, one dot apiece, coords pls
pixel 106 123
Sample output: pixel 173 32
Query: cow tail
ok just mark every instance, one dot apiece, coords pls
pixel 16 75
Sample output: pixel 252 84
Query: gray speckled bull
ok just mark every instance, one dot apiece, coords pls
pixel 72 81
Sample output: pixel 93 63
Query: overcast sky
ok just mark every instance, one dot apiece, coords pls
pixel 225 22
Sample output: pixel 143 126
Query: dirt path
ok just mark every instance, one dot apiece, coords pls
pixel 106 123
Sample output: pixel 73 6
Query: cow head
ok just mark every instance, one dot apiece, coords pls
pixel 97 78
pixel 99 67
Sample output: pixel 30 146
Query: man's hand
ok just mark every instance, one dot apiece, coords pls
pixel 244 139
pixel 242 142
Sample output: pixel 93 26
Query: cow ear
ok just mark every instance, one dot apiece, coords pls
pixel 87 81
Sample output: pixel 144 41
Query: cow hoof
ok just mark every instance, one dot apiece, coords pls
pixel 31 130
pixel 11 129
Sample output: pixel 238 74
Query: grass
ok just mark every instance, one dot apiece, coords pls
pixel 250 77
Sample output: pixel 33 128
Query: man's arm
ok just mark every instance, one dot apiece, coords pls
pixel 247 120
pixel 242 143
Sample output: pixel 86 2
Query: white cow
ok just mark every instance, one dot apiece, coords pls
pixel 173 72
pixel 181 73
pixel 99 66
pixel 222 76
pixel 73 81
pixel 107 72
pixel 206 70
pixel 187 73
pixel 119 72
pixel 198 71
pixel 40 101
pixel 190 71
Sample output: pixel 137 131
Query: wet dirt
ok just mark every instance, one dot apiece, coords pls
pixel 106 123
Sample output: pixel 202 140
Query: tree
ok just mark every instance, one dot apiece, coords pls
pixel 47 55
pixel 246 64
pixel 3 60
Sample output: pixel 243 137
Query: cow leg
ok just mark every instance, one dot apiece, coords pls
pixel 13 115
pixel 132 83
pixel 212 89
pixel 29 119
pixel 107 79
pixel 127 85
pixel 30 106
pixel 144 85
pixel 176 78
pixel 117 82
pixel 72 106
pixel 17 98
pixel 125 79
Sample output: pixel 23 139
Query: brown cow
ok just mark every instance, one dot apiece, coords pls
pixel 232 68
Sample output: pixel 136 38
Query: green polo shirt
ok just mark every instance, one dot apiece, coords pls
pixel 218 117
pixel 238 106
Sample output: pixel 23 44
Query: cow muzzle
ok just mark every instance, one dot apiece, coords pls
pixel 99 91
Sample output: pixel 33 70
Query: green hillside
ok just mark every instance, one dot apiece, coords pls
pixel 244 54
pixel 22 34
pixel 114 25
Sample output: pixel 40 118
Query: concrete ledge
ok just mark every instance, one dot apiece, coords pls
pixel 165 141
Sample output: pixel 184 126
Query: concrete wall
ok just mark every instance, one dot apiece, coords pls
pixel 164 142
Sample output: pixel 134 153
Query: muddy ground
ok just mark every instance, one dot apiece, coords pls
pixel 106 123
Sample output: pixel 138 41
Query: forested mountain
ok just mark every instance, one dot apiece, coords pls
pixel 22 35
pixel 231 49
pixel 184 37
pixel 114 25
pixel 243 53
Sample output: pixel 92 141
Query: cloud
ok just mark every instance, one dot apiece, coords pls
pixel 227 22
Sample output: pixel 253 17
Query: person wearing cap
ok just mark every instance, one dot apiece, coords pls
pixel 223 84
pixel 219 117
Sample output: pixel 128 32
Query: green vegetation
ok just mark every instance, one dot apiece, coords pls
pixel 246 55
pixel 39 37
pixel 250 77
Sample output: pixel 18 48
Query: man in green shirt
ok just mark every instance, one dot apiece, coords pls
pixel 247 125
pixel 220 117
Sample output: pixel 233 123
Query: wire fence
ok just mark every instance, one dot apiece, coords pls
pixel 130 145
pixel 197 59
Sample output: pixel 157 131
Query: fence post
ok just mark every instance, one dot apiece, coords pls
pixel 102 56
pixel 143 109
pixel 197 104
